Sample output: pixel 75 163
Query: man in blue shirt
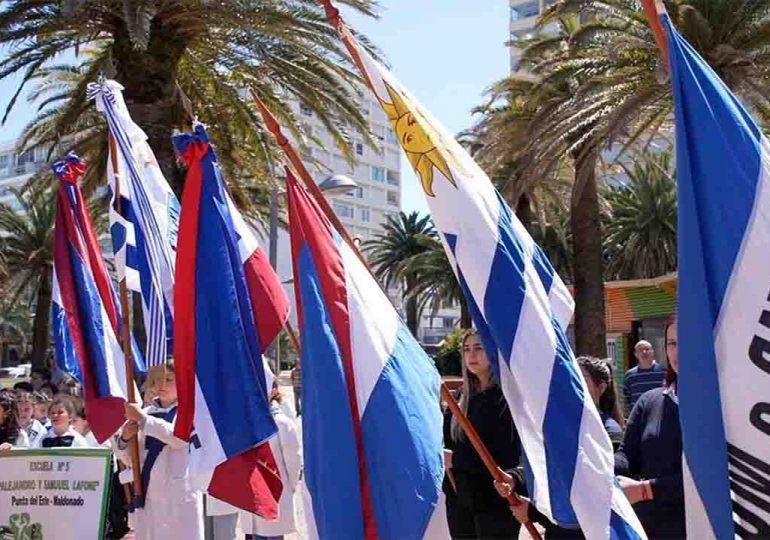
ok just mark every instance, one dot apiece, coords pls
pixel 648 374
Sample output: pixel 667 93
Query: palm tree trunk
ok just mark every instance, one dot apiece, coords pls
pixel 588 265
pixel 412 311
pixel 42 322
pixel 151 93
pixel 524 211
pixel 465 315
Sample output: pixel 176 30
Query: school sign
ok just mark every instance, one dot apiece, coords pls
pixel 56 493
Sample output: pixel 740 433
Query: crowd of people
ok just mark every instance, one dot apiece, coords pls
pixel 647 444
pixel 41 414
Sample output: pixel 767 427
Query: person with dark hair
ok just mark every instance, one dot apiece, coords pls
pixel 11 433
pixel 649 460
pixel 474 508
pixel 171 507
pixel 48 389
pixel 601 386
pixel 24 387
pixel 34 429
pixel 38 377
pixel 62 434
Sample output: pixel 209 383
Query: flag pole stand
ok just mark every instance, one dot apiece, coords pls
pixel 274 127
pixel 126 341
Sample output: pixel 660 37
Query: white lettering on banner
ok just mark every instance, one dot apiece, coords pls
pixel 56 493
pixel 742 347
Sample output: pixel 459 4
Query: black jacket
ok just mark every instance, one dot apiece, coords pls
pixel 652 450
pixel 488 412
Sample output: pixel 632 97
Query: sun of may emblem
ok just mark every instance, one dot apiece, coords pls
pixel 418 144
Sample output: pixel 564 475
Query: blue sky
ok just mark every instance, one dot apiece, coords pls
pixel 446 52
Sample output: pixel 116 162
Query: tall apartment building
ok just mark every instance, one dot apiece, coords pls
pixel 376 171
pixel 364 210
pixel 16 168
pixel 523 17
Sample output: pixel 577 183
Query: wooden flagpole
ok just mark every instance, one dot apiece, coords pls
pixel 292 336
pixel 653 9
pixel 274 127
pixel 126 337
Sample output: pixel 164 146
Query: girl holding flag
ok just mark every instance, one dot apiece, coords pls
pixel 474 509
pixel 171 508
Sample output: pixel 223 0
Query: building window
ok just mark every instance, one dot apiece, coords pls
pixel 391 137
pixel 26 157
pixel 366 215
pixel 530 9
pixel 448 322
pixel 358 193
pixel 393 177
pixel 304 109
pixel 359 149
pixel 393 198
pixel 378 175
pixel 344 210
pixel 379 132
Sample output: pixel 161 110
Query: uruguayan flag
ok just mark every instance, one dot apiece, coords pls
pixel 521 309
pixel 144 219
pixel 723 173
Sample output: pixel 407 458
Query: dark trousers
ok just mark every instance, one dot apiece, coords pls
pixel 496 523
pixel 117 515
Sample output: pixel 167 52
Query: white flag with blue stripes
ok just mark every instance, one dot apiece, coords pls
pixel 144 220
pixel 723 176
pixel 521 309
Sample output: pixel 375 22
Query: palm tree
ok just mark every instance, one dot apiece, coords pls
pixel 15 325
pixel 436 283
pixel 525 122
pixel 640 237
pixel 389 252
pixel 26 226
pixel 177 59
pixel 598 83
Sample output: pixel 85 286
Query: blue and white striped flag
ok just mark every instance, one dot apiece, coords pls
pixel 521 309
pixel 144 220
pixel 723 173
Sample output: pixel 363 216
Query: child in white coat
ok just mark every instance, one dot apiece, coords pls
pixel 172 508
pixel 287 450
pixel 62 435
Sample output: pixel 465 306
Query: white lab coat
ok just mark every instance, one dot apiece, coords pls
pixel 36 432
pixel 172 509
pixel 216 507
pixel 22 440
pixel 287 450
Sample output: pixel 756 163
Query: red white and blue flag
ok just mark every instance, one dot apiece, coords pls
pixel 229 306
pixel 88 305
pixel 371 417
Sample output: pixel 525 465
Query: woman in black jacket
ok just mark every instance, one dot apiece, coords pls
pixel 649 460
pixel 474 509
